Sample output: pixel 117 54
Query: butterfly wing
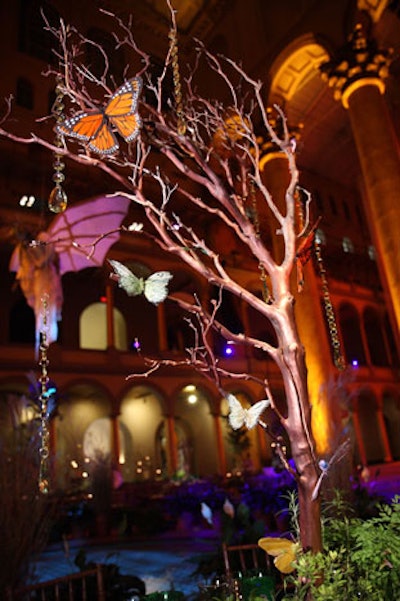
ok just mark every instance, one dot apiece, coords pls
pixel 156 287
pixel 126 279
pixel 104 142
pixel 122 109
pixel 253 414
pixel 284 562
pixel 92 128
pixel 83 126
pixel 284 551
pixel 236 412
pixel 128 126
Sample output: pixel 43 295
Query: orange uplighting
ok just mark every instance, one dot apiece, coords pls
pixel 361 83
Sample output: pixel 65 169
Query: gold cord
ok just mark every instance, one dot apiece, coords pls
pixel 44 452
pixel 338 358
pixel 177 82
pixel 58 200
pixel 256 223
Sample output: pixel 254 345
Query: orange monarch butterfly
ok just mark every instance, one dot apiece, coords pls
pixel 119 114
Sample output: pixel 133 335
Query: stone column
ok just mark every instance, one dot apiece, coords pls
pixel 115 440
pixel 359 437
pixel 357 76
pixel 162 328
pixel 383 432
pixel 110 315
pixel 172 444
pixel 220 444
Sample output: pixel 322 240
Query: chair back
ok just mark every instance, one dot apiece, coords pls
pixel 244 559
pixel 82 586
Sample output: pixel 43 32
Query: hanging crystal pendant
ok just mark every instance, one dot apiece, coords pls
pixel 58 200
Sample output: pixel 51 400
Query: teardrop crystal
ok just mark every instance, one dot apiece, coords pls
pixel 57 200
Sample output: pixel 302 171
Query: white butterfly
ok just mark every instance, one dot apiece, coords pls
pixel 154 288
pixel 239 416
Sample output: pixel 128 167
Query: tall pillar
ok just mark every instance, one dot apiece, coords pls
pixel 359 438
pixel 220 444
pixel 308 310
pixel 357 77
pixel 110 315
pixel 162 328
pixel 265 450
pixel 115 440
pixel 383 432
pixel 172 444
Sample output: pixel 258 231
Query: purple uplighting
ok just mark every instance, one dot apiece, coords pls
pixel 136 344
pixel 229 350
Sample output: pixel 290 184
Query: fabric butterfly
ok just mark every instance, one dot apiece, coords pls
pixel 284 551
pixel 304 253
pixel 238 416
pixel 97 127
pixel 154 288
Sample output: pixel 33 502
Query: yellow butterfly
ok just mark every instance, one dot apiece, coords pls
pixel 284 551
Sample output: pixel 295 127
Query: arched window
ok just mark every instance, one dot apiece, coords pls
pixel 193 413
pixel 333 205
pixel 359 214
pixel 228 314
pixel 351 335
pixel 346 210
pixel 141 413
pixel 81 405
pixel 24 93
pixel 375 339
pixel 319 201
pixel 93 328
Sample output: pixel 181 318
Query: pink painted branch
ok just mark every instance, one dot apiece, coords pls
pixel 82 159
pixel 226 333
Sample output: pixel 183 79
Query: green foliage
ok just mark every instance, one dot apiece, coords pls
pixel 360 560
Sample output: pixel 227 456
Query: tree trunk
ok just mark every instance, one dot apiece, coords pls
pixel 298 427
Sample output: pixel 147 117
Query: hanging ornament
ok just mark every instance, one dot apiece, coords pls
pixel 338 358
pixel 177 81
pixel 58 200
pixel 256 222
pixel 44 474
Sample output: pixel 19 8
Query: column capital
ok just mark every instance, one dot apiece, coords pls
pixel 358 63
